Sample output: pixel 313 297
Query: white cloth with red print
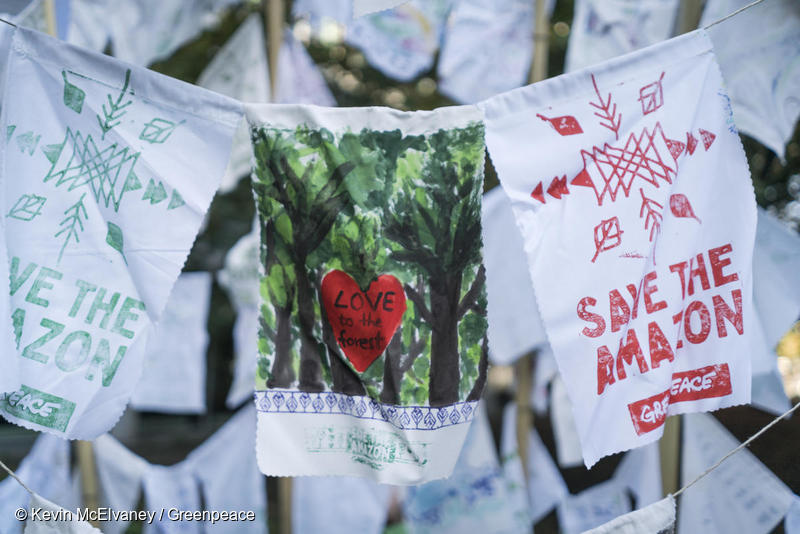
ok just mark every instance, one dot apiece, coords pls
pixel 637 210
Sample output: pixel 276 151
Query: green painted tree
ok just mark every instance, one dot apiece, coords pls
pixel 311 194
pixel 435 220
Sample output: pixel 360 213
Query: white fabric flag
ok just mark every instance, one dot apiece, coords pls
pixel 741 495
pixel 33 16
pixel 487 48
pixel 604 29
pixel 545 371
pixel 223 470
pixel 299 79
pixel 44 470
pixel 174 376
pixel 226 467
pixel 44 517
pixel 316 509
pixel 593 507
pixel 88 24
pixel 776 285
pixel 240 71
pixel 514 323
pixel 362 7
pixel 475 498
pixel 776 295
pixel 120 473
pixel 170 488
pixel 146 31
pixel 760 67
pixel 241 279
pixel 657 518
pixel 546 488
pixel 402 42
pixel 791 523
pixel 565 432
pixel 10 377
pixel 640 472
pixel 104 196
pixel 639 236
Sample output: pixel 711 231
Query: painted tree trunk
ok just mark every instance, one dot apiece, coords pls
pixel 310 365
pixel 445 373
pixel 483 367
pixel 390 394
pixel 345 380
pixel 282 372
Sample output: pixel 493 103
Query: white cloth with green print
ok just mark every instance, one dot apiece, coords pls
pixel 108 170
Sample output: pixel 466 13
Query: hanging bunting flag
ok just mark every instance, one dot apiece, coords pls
pixel 120 473
pixel 401 43
pixel 241 279
pixel 544 372
pixel 373 325
pixel 515 327
pixel 146 31
pixel 487 48
pixel 593 507
pixel 791 523
pixel 88 24
pixel 760 68
pixel 565 433
pixel 657 518
pixel 475 497
pixel 365 510
pixel 776 295
pixel 545 486
pixel 44 470
pixel 221 474
pixel 32 16
pixel 240 71
pixel 44 517
pixel 363 7
pixel 640 251
pixel 741 495
pixel 604 29
pixel 640 472
pixel 299 79
pixel 10 377
pixel 174 376
pixel 99 186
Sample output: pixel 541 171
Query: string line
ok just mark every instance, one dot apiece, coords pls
pixel 726 17
pixel 737 449
pixel 15 477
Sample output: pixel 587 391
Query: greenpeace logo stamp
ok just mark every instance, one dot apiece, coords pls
pixel 376 449
pixel 38 407
pixel 702 383
pixel 650 413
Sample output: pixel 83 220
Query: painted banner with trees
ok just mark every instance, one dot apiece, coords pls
pixel 372 283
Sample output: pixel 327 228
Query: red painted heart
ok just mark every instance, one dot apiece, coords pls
pixel 363 323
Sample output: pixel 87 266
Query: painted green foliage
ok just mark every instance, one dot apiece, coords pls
pixel 370 203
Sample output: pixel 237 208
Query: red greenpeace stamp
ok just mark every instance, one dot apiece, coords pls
pixel 650 413
pixel 702 383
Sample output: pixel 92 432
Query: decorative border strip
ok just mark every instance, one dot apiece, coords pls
pixel 329 402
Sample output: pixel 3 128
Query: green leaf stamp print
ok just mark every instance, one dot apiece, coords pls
pixel 112 114
pixel 154 193
pixel 73 95
pixel 72 224
pixel 115 240
pixel 158 130
pixel 27 207
pixel 27 142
